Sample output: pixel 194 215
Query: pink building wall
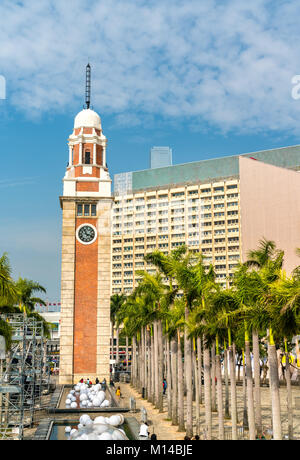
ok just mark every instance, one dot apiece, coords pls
pixel 270 208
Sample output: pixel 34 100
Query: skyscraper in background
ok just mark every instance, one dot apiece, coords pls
pixel 160 157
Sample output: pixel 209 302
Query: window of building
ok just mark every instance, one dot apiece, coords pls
pixel 87 210
pixel 87 158
pixel 79 210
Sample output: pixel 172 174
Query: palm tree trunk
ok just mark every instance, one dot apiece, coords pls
pixel 289 393
pixel 112 340
pixel 274 387
pixel 160 367
pixel 181 426
pixel 250 400
pixel 145 363
pixel 207 393
pixel 245 410
pixel 138 375
pixel 127 354
pixel 189 379
pixel 152 376
pixel 149 365
pixel 174 381
pixel 197 385
pixel 257 392
pixel 142 360
pixel 233 392
pixel 133 361
pixel 199 356
pixel 227 413
pixel 213 378
pixel 156 353
pixel 220 397
pixel 117 352
pixel 169 379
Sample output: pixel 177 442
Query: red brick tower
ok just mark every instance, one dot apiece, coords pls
pixel 86 254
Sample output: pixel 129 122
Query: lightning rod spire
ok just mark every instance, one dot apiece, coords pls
pixel 88 87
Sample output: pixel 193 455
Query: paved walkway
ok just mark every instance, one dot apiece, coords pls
pixel 158 422
pixel 163 428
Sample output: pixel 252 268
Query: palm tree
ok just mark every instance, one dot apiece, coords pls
pixel 284 304
pixel 116 302
pixel 259 318
pixel 160 297
pixel 8 291
pixel 224 308
pixel 25 293
pixel 6 332
pixel 258 259
pixel 176 322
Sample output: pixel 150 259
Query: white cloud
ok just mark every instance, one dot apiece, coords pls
pixel 226 63
pixel 11 183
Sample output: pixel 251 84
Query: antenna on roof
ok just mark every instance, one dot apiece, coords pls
pixel 88 87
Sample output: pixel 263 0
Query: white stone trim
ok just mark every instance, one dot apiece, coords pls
pixel 95 154
pixel 80 152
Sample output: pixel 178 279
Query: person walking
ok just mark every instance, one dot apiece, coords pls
pixel 118 392
pixel 165 385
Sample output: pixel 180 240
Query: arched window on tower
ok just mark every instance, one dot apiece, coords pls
pixel 87 158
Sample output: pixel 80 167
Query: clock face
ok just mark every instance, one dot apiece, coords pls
pixel 86 234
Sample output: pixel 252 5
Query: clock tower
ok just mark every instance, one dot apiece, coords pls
pixel 86 252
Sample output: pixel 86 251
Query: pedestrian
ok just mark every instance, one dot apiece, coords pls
pixel 97 381
pixel 144 431
pixel 187 438
pixel 164 386
pixel 196 438
pixel 153 437
pixel 103 385
pixel 118 392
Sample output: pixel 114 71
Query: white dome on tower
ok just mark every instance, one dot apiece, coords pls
pixel 87 118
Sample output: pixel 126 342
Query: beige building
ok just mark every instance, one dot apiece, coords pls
pixel 221 207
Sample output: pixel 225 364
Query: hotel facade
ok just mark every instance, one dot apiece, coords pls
pixel 221 207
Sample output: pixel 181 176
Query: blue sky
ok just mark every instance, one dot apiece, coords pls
pixel 206 78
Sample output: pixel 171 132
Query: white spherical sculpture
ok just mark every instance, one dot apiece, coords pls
pixel 68 429
pixel 74 405
pixel 105 436
pixel 84 419
pixel 99 429
pixel 96 402
pixel 105 403
pixel 115 420
pixel 118 435
pixel 68 402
